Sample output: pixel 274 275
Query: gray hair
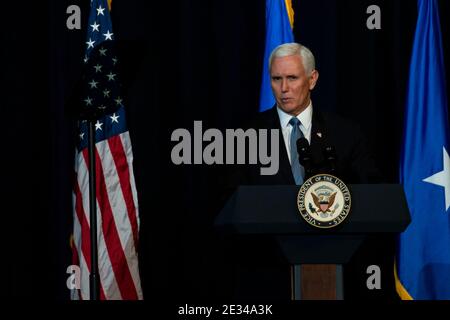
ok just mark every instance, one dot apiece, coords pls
pixel 290 49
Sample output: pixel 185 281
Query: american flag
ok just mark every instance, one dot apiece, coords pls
pixel 117 205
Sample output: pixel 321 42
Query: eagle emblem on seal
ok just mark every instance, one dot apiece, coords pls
pixel 324 202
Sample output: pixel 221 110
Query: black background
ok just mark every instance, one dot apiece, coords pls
pixel 181 61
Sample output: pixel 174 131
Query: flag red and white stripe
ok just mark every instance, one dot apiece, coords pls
pixel 117 218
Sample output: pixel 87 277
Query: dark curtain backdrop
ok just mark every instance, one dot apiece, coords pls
pixel 181 61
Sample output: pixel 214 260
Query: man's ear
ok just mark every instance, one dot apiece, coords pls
pixel 313 79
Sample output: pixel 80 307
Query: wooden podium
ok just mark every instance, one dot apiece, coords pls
pixel 317 282
pixel 316 255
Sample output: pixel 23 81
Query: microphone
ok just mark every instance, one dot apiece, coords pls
pixel 304 156
pixel 329 153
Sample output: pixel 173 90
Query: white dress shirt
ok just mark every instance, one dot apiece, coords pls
pixel 305 118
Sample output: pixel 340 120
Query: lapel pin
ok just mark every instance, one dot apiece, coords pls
pixel 319 134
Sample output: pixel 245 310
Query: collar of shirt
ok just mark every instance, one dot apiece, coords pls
pixel 305 118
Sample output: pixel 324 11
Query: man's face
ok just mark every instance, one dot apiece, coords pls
pixel 291 85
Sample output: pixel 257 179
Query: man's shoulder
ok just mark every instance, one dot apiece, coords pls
pixel 334 118
pixel 336 122
pixel 265 119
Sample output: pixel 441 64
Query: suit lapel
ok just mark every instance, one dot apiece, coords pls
pixel 318 138
pixel 284 170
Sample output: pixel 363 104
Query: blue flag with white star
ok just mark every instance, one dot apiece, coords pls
pixel 423 252
pixel 279 24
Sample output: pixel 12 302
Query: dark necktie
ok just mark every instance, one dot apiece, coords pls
pixel 297 170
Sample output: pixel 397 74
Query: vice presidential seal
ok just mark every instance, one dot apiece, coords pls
pixel 324 201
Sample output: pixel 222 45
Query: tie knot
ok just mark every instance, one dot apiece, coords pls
pixel 294 122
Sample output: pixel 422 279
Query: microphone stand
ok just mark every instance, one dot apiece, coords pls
pixel 304 156
pixel 330 156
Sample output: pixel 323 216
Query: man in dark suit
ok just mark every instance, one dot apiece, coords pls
pixel 293 77
pixel 260 271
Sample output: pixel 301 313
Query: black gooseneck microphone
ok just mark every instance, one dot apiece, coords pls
pixel 329 153
pixel 304 156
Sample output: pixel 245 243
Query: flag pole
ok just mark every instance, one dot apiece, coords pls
pixel 93 276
